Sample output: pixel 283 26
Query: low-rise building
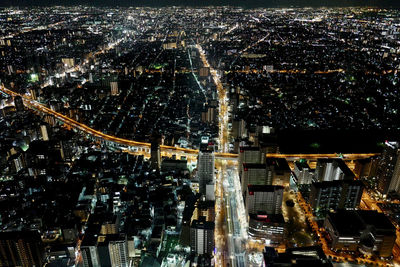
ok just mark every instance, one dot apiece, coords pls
pixel 270 228
pixel 367 231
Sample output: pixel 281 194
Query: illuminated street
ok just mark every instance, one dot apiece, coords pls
pixel 226 134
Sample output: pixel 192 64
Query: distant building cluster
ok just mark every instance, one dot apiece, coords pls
pixel 151 137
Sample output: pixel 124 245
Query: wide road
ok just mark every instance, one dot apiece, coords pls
pixel 222 103
pixel 236 223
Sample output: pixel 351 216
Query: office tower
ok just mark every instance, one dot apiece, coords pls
pixel 342 194
pixel 19 103
pixel 21 248
pixel 254 174
pixel 388 173
pixel 278 171
pixel 202 236
pixel 303 172
pixel 155 159
pixel 205 167
pixel 264 199
pixel 332 170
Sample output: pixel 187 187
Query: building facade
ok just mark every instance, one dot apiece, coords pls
pixel 303 172
pixel 366 231
pixel 388 173
pixel 205 168
pixel 21 248
pixel 254 174
pixel 333 195
pixel 278 169
pixel 202 236
pixel 264 199
pixel 332 170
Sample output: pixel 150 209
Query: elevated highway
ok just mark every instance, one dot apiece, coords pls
pixel 144 148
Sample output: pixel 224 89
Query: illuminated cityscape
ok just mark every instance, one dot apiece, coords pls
pixel 199 136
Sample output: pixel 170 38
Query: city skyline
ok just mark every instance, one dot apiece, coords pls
pixel 199 136
pixel 241 3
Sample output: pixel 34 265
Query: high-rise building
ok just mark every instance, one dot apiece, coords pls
pixel 155 159
pixel 333 195
pixel 44 133
pixel 250 155
pixel 264 199
pixel 205 167
pixel 21 248
pixel 202 236
pixel 332 170
pixel 388 172
pixel 254 174
pixel 278 169
pixel 303 173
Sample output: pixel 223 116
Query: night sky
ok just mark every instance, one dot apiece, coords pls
pixel 243 3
